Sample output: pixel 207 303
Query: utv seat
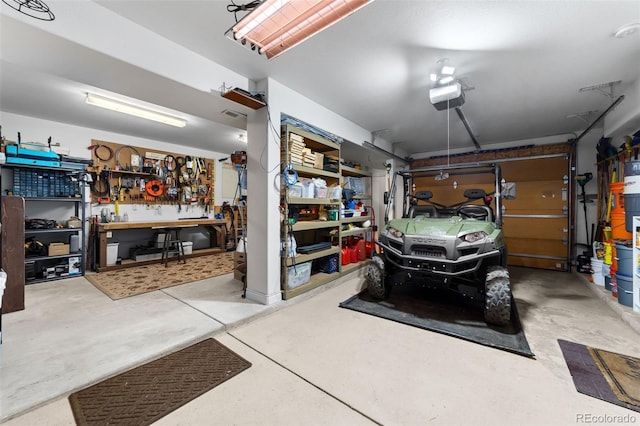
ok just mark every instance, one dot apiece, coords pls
pixel 476 212
pixel 428 211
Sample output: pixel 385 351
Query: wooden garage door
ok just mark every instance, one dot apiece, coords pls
pixel 536 223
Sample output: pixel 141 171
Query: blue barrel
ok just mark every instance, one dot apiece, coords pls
pixel 624 255
pixel 625 290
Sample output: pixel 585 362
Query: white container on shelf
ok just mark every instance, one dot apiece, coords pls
pixel 187 246
pixel 298 275
pixel 308 189
pixel 112 253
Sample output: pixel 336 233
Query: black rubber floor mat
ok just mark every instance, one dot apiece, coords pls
pixel 445 313
pixel 151 391
pixel 590 380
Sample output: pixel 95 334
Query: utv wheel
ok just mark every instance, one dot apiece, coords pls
pixel 497 305
pixel 377 285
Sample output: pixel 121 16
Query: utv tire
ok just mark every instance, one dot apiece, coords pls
pixel 497 305
pixel 377 285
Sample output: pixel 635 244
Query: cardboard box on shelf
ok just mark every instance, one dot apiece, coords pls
pixel 319 161
pixel 56 249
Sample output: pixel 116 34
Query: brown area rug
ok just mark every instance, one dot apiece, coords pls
pixel 147 393
pixel 143 279
pixel 605 375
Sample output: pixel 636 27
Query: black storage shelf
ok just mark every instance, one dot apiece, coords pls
pixel 56 199
pixel 56 278
pixel 73 190
pixel 29 166
pixel 52 231
pixel 57 256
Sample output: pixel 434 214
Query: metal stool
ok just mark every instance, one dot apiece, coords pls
pixel 172 236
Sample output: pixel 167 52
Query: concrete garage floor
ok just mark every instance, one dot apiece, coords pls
pixel 313 363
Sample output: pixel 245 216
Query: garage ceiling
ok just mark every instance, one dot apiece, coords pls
pixel 524 63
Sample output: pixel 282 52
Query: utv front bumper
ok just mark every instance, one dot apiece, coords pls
pixel 431 261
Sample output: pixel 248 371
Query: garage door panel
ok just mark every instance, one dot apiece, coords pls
pixel 552 168
pixel 536 247
pixel 550 229
pixel 536 222
pixel 537 213
pixel 540 195
pixel 446 194
pixel 531 262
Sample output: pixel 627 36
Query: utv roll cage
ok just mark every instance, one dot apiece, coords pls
pixel 410 208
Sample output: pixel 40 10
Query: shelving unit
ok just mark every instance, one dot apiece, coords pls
pixel 359 230
pixel 66 189
pixel 308 229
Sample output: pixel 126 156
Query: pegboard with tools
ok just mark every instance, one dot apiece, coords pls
pixel 135 175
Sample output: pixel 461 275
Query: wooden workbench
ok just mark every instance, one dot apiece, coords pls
pixel 217 225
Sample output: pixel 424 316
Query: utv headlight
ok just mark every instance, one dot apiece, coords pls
pixel 395 233
pixel 474 236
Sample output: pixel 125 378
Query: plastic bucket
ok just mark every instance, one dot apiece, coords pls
pixel 624 256
pixel 596 271
pixel 625 290
pixel 619 226
pixel 617 198
pixel 112 253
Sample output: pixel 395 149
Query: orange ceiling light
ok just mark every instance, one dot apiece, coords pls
pixel 276 26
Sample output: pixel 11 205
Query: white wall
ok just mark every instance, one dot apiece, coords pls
pixel 586 163
pixel 263 248
pixel 625 118
pixel 77 139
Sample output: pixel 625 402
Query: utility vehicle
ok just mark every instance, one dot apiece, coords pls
pixel 459 247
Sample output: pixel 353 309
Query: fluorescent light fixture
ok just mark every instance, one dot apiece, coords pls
pixel 446 80
pixel 276 26
pixel 127 108
pixel 627 30
pixel 448 70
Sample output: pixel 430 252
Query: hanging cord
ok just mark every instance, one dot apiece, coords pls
pixel 235 8
pixel 289 175
pixel 277 135
pixel 133 151
pixel 448 164
pixel 96 148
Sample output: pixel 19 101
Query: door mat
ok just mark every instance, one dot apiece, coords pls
pixel 605 375
pixel 147 393
pixel 145 278
pixel 443 312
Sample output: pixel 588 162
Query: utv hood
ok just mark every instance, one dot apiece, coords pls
pixel 452 226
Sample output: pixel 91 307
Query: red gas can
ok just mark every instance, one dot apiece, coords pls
pixel 354 254
pixel 362 251
pixel 346 255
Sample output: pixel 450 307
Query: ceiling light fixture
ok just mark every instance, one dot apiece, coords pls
pixel 445 75
pixel 448 70
pixel 627 30
pixel 275 26
pixel 127 108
